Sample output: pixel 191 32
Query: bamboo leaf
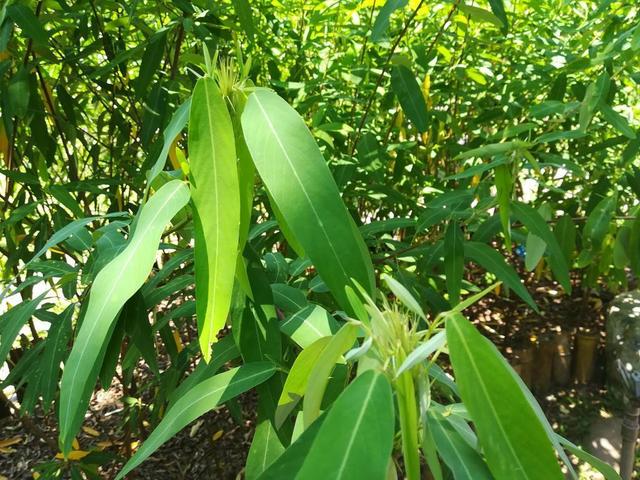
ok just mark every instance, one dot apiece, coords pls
pixel 300 183
pixel 406 88
pixel 536 225
pixel 381 24
pixel 216 198
pixel 196 402
pixel 112 287
pixel 453 261
pixel 514 441
pixel 488 258
pixel 265 449
pixel 422 352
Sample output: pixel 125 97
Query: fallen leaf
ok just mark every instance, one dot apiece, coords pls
pixel 73 455
pixel 217 435
pixel 7 442
pixel 91 431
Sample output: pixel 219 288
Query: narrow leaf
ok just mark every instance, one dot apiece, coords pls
pixel 112 287
pixel 198 401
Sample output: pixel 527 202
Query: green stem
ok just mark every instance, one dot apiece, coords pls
pixel 409 425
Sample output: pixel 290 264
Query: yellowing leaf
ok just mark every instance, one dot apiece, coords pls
pixel 10 441
pixel 75 445
pixel 178 340
pixel 73 455
pixel 91 431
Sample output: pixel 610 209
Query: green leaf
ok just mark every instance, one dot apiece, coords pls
pixel 493 149
pixel 422 352
pixel 597 224
pixel 565 233
pixel 381 25
pixel 28 22
pixel 402 294
pixel 536 225
pixel 296 383
pixel 290 462
pixel 356 438
pixel 491 260
pixel 308 325
pixel 596 92
pixel 216 198
pixel 112 287
pixel 300 183
pixel 151 59
pixel 514 441
pixel 289 299
pixel 196 402
pixel 319 377
pixel 445 205
pixel 535 248
pixel 504 187
pixel 481 15
pixel 54 351
pixel 175 126
pixel 12 322
pixel 617 121
pixel 453 261
pixel 265 449
pixel 604 468
pixel 497 7
pixel 243 10
pixel 464 462
pixel 406 88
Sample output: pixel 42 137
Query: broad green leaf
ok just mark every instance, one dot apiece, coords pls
pixel 422 352
pixel 597 224
pixel 112 287
pixel 289 463
pixel 514 441
pixel 204 396
pixel 381 24
pixel 464 462
pixel 536 225
pixel 453 261
pixel 151 59
pixel 175 126
pixel 288 298
pixel 225 351
pixel 298 377
pixel 479 168
pixel 406 88
pixel 308 325
pixel 491 260
pixel 319 377
pixel 402 294
pixel 216 198
pixel 265 449
pixel 356 438
pixel 300 183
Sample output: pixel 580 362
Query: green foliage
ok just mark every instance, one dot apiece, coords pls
pixel 321 149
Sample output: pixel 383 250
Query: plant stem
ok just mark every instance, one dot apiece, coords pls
pixel 408 425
